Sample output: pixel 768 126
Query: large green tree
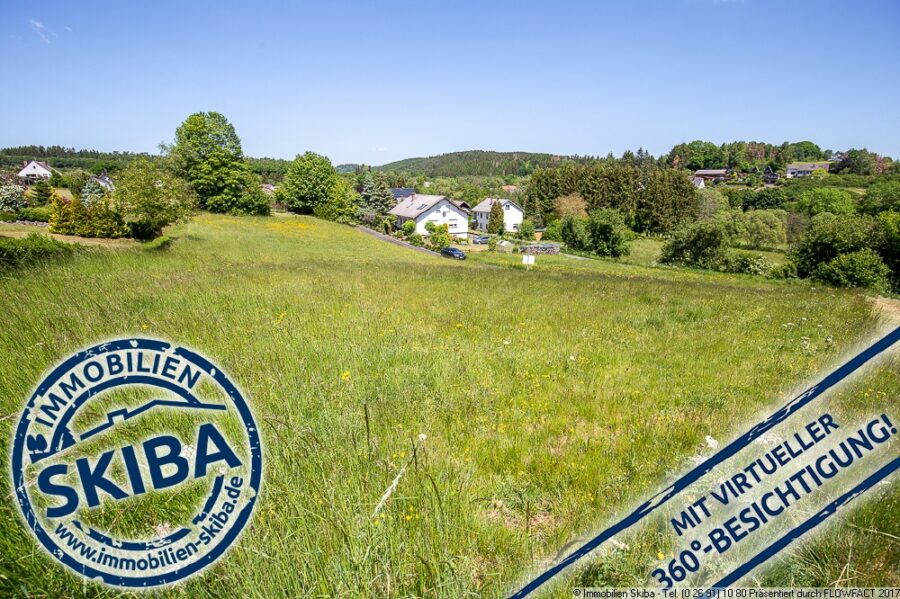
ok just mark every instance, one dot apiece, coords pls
pixel 207 153
pixel 668 200
pixel 308 183
pixel 376 195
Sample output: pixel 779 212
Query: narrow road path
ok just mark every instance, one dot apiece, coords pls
pixel 394 240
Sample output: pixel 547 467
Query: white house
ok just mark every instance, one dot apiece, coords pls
pixel 33 171
pixel 805 169
pixel 513 214
pixel 698 182
pixel 439 210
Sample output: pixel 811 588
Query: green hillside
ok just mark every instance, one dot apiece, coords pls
pixel 477 163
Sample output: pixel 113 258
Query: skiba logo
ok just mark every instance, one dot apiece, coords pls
pixel 136 463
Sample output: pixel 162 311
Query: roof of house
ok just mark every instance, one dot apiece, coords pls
pixel 809 166
pixel 33 164
pixel 711 171
pixel 414 205
pixel 402 192
pixel 485 204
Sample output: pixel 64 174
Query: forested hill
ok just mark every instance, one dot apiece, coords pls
pixel 477 163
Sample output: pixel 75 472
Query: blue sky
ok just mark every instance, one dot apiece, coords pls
pixel 379 81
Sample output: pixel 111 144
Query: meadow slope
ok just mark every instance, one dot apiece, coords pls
pixel 549 399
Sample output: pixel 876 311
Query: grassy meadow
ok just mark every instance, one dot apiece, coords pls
pixel 549 400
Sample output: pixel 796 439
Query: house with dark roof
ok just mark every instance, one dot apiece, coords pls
pixel 713 174
pixel 104 181
pixel 440 210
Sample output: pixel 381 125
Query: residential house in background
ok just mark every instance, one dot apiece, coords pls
pixel 33 171
pixel 104 181
pixel 440 210
pixel 510 188
pixel 804 169
pixel 513 214
pixel 698 182
pixel 770 177
pixel 713 174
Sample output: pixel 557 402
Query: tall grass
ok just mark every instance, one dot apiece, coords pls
pixel 549 398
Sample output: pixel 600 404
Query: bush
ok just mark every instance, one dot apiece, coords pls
pixel 526 230
pixel 574 233
pixel 765 228
pixel 747 263
pixel 149 197
pixel 19 253
pixel 553 231
pixel 6 217
pixel 788 270
pixel 40 194
pixel 887 243
pixel 75 180
pixel 40 214
pixel 607 233
pixel 492 244
pixel 12 198
pixel 826 199
pixel 71 217
pixel 440 237
pixel 408 228
pixel 863 268
pixel 160 243
pixel 881 197
pixel 828 237
pixel 703 244
pixel 416 239
pixel 770 197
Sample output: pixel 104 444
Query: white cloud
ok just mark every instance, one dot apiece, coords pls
pixel 39 29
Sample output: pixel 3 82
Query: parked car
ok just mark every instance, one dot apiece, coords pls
pixel 453 253
pixel 481 239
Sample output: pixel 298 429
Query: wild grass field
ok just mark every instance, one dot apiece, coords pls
pixel 548 399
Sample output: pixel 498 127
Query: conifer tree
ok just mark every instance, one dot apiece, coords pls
pixel 495 219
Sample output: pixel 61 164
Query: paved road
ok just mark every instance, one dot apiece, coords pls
pixel 394 240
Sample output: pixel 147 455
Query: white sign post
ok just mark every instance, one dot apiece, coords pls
pixel 527 260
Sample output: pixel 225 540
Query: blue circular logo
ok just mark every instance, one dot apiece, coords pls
pixel 136 463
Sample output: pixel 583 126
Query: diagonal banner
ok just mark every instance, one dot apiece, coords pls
pixel 650 506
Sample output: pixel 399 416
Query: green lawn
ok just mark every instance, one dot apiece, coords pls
pixel 549 398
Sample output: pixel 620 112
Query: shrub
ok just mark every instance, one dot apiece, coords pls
pixel 888 243
pixel 408 228
pixel 526 230
pixel 765 228
pixel 553 231
pixel 574 233
pixel 342 204
pixel 703 243
pixel 828 237
pixel 607 233
pixel 12 198
pixel 75 180
pixel 160 243
pixel 826 199
pixel 40 214
pixel 440 237
pixel 40 194
pixel 71 217
pixel 149 197
pixel 881 197
pixel 18 253
pixel 241 195
pixel 788 270
pixel 416 239
pixel 6 217
pixel 747 263
pixel 770 197
pixel 863 268
pixel 711 202
pixel 492 244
